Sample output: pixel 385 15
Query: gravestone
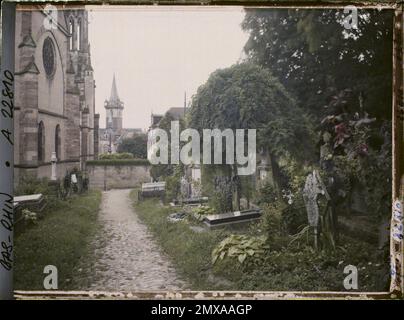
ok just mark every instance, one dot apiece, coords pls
pixel 221 219
pixel 152 189
pixel 313 187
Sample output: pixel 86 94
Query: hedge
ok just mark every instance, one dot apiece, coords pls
pixel 119 162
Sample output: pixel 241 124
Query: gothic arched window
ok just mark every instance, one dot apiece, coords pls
pixel 41 142
pixel 79 35
pixel 49 57
pixel 71 28
pixel 57 141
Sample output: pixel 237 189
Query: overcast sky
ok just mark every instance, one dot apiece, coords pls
pixel 158 53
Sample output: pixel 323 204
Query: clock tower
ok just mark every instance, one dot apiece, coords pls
pixel 114 108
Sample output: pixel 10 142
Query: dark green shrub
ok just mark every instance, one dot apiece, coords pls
pixel 119 162
pixel 266 194
pixel 30 184
pixel 116 156
pixel 294 216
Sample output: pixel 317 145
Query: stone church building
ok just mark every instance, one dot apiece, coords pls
pixel 54 93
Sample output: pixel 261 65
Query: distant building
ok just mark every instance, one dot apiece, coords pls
pixel 114 108
pixel 175 113
pixel 54 93
pixel 114 133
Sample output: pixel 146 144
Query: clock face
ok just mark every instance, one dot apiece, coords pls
pixel 48 57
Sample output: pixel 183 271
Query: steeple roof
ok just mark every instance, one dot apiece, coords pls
pixel 114 91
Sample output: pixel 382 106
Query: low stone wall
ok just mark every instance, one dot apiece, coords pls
pixel 105 177
pixel 44 171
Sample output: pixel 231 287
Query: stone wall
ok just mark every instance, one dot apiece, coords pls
pixel 107 177
pixel 44 171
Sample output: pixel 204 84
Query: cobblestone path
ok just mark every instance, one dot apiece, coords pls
pixel 126 255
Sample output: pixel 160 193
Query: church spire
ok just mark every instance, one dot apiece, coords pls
pixel 114 91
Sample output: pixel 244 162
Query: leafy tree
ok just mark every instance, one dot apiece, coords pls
pixel 342 78
pixel 136 145
pixel 248 96
pixel 314 57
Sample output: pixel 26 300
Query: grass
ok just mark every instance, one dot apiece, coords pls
pixel 189 251
pixel 60 237
pixel 283 268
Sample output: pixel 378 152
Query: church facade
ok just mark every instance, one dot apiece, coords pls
pixel 54 93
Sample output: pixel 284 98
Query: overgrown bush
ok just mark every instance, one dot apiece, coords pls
pixel 303 268
pixel 136 145
pixel 271 222
pixel 173 183
pixel 29 216
pixel 241 248
pixel 30 184
pixel 199 213
pixel 119 162
pixel 266 194
pixel 116 156
pixel 294 216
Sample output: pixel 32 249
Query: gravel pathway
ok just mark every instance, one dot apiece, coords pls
pixel 127 257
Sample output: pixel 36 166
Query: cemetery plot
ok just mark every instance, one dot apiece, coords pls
pixel 33 202
pixel 191 201
pixel 152 189
pixel 232 217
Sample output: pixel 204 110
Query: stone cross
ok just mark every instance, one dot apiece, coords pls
pixel 312 188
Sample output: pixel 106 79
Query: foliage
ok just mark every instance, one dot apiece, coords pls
pixel 266 194
pixel 301 235
pixel 161 171
pixel 199 213
pixel 243 248
pixel 289 265
pixel 301 268
pixel 136 145
pixel 294 216
pixel 116 156
pixel 30 184
pixel 222 195
pixel 247 96
pixel 357 150
pixel 347 95
pixel 119 162
pixel 312 47
pixel 29 216
pixel 271 222
pixel 61 237
pixel 216 185
pixel 173 183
